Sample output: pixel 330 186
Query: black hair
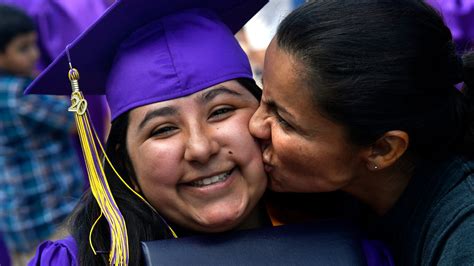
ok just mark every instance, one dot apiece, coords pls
pixel 13 23
pixel 378 65
pixel 143 224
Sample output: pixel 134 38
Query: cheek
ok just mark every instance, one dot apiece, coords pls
pixel 324 165
pixel 293 155
pixel 298 153
pixel 158 163
pixel 284 145
pixel 243 147
pixel 292 152
pixel 22 58
pixel 237 136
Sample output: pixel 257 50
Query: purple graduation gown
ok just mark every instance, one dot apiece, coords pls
pixel 61 252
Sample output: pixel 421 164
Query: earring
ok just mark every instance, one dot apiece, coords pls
pixel 372 166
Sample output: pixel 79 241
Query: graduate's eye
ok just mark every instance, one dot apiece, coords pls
pixel 164 131
pixel 221 112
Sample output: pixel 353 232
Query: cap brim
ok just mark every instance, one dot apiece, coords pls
pixel 94 50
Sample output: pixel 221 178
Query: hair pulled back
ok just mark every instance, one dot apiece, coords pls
pixel 380 65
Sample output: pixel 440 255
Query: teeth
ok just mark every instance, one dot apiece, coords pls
pixel 211 180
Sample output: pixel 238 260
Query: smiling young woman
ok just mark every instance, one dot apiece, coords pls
pixel 195 159
pixel 181 155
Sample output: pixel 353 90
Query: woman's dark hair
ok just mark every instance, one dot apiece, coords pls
pixel 13 22
pixel 143 224
pixel 380 65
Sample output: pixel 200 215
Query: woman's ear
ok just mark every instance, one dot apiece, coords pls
pixel 387 150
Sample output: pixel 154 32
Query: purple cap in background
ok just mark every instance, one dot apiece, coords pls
pixel 459 16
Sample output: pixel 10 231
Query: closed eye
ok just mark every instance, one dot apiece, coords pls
pixel 273 108
pixel 283 122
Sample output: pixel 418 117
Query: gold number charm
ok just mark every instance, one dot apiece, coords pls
pixel 78 103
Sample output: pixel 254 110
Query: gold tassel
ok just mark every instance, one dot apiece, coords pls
pixel 119 250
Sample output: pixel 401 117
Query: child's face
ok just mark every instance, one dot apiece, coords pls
pixel 194 157
pixel 20 55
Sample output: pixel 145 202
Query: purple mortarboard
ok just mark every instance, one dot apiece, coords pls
pixel 137 53
pixel 145 51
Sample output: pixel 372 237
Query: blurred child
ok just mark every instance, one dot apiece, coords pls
pixel 39 183
pixel 58 23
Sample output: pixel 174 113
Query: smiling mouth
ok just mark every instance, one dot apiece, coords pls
pixel 211 180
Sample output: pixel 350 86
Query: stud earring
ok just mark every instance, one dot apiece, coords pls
pixel 376 167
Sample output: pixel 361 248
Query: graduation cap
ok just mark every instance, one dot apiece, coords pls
pixel 171 48
pixel 140 52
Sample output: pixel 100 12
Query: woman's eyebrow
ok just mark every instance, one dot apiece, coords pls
pixel 211 94
pixel 164 111
pixel 275 107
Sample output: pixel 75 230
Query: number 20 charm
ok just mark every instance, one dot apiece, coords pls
pixel 78 103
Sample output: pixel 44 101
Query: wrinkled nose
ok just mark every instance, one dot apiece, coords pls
pixel 200 147
pixel 258 127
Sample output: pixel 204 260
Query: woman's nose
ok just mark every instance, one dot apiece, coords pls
pixel 258 127
pixel 201 146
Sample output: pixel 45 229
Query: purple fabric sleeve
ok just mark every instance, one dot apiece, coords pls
pixel 377 253
pixel 61 252
pixel 4 256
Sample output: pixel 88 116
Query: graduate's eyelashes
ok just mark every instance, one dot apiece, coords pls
pixel 204 98
pixel 164 131
pixel 217 115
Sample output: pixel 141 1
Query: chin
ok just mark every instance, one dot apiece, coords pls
pixel 223 221
pixel 219 226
